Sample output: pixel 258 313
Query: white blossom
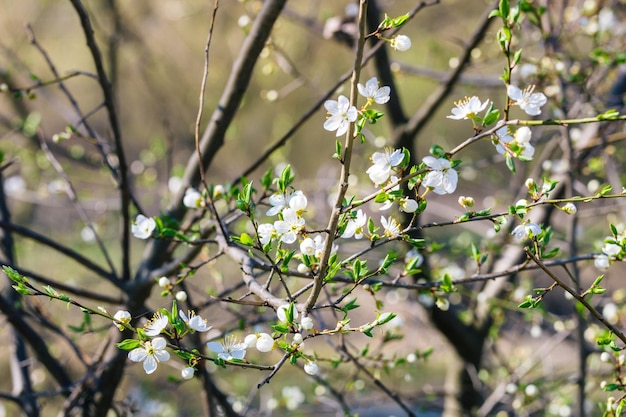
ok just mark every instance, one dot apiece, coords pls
pixel 602 262
pixel 384 162
pixel 151 353
pixel 356 226
pixel 279 201
pixel 311 368
pixel 267 232
pixel 193 199
pixel 442 178
pixel 143 226
pixel 401 43
pixel 391 227
pixel 526 230
pixel 341 115
pixel 467 108
pixel 408 205
pixel 281 312
pixel 187 373
pixel 155 326
pixel 264 342
pixel 306 323
pixel 290 227
pixel 229 349
pixel 194 322
pixel 527 100
pixel 307 247
pixel 372 92
pixel 122 316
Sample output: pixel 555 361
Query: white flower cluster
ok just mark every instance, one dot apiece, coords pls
pixel 613 249
pixel 516 145
pixel 153 351
pixel 341 113
pixel 290 207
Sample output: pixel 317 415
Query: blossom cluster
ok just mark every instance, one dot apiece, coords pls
pixel 152 350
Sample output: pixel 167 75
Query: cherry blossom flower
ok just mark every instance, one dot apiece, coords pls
pixel 356 226
pixel 155 326
pixel 373 93
pixel 611 249
pixel 401 43
pixel 467 108
pixel 151 353
pixel 311 368
pixel 341 115
pixel 518 145
pixel 526 230
pixel 187 373
pixel 122 316
pixel 280 201
pixel 391 227
pixel 194 322
pixel 384 162
pixel 527 100
pixel 307 247
pixel 602 261
pixel 229 349
pixel 442 178
pixel 290 226
pixel 320 242
pixel 143 227
pixel 501 139
pixel 267 232
pixel 298 203
pixel 193 199
pixel 408 205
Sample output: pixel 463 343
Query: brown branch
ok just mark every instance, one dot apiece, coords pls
pixel 109 103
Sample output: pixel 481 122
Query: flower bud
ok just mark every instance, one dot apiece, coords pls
pixel 181 296
pixel 466 202
pixel 401 43
pixel 164 282
pixel 188 372
pixel 306 323
pixel 569 208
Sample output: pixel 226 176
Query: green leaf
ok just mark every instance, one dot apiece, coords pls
pixel 128 344
pixel 350 306
pixel 550 254
pixel 517 56
pixel 491 117
pixel 266 180
pixel 400 20
pixel 13 274
pixel 338 151
pixel 510 163
pixel 246 240
pixel 437 151
pixel 494 13
pixel 504 9
pixel 280 328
